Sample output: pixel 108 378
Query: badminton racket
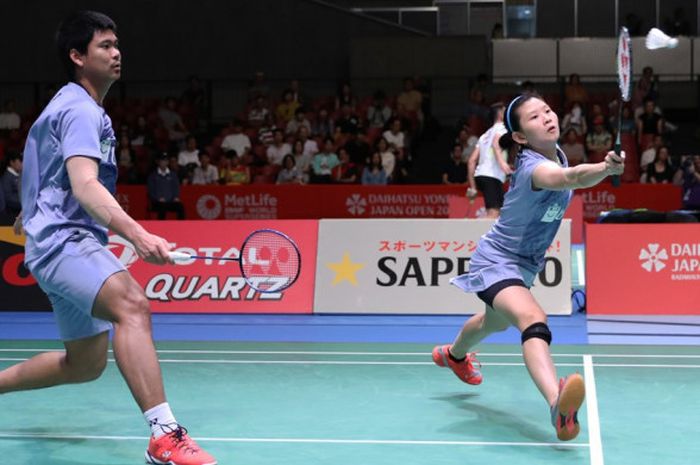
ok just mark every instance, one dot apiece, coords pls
pixel 624 81
pixel 269 260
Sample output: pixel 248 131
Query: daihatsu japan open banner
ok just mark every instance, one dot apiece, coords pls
pixel 404 266
pixel 643 268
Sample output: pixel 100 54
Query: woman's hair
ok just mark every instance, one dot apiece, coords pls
pixel 512 115
pixel 288 156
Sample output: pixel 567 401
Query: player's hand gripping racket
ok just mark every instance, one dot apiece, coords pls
pixel 624 81
pixel 269 260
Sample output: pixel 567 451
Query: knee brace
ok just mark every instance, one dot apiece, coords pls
pixel 538 330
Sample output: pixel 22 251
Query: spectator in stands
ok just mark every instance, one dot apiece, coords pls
pixel 286 109
pixel 310 145
pixel 9 182
pixel 9 118
pixel 142 134
pixel 576 120
pixel 467 140
pixel 323 164
pixel 646 87
pixel 649 124
pixel 345 97
pixel 649 155
pixel 278 149
pixel 387 156
pixel 358 148
pixel 661 171
pixel 290 173
pixel 266 133
pixel 190 154
pixel 374 173
pixel 349 123
pixel 302 160
pixel 323 126
pixel 574 150
pixel 691 183
pixel 125 159
pixel 297 94
pixel 233 172
pixel 187 175
pixel 378 113
pixel 258 87
pixel 298 122
pixel 402 170
pixel 455 171
pixel 628 125
pixel 237 140
pixel 574 91
pixel 172 121
pixel 395 136
pixel 598 141
pixel 164 190
pixel 258 113
pixel 345 172
pixel 205 173
pixel 175 167
pixel 476 106
pixel 409 102
pixel 596 111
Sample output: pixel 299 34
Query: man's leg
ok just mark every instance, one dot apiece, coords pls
pixel 84 360
pixel 122 301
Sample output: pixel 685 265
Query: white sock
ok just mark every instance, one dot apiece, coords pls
pixel 158 417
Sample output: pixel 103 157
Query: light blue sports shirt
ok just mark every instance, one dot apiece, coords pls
pixel 71 124
pixel 529 218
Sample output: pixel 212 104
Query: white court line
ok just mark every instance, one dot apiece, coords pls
pixel 393 354
pixel 592 408
pixel 303 440
pixel 311 362
pixel 359 362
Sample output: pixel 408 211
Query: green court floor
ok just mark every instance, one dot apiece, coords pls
pixel 373 404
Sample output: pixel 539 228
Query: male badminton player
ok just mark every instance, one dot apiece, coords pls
pixel 68 205
pixel 509 256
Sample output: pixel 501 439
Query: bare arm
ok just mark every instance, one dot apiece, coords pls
pixel 104 208
pixel 551 176
pixel 471 167
pixel 499 157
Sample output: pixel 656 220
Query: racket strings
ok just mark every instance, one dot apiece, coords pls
pixel 267 254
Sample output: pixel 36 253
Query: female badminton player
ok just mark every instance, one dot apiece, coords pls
pixel 508 257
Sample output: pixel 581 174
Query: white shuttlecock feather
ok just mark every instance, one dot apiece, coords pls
pixel 656 38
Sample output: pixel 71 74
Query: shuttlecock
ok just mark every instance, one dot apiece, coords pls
pixel 656 38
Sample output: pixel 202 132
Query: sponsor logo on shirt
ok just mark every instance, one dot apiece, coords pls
pixel 553 213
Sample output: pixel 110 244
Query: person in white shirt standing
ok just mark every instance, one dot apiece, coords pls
pixel 488 165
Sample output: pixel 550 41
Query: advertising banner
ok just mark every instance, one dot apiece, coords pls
pixel 18 288
pixel 404 266
pixel 643 269
pixel 216 286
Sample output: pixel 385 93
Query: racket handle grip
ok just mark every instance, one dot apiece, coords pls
pixel 618 150
pixel 179 256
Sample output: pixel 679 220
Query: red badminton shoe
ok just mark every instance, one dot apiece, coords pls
pixel 464 369
pixel 572 391
pixel 177 448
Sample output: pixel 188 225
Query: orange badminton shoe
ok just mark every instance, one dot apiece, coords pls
pixel 177 448
pixel 464 369
pixel 572 391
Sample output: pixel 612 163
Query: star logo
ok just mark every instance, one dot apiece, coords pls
pixel 345 270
